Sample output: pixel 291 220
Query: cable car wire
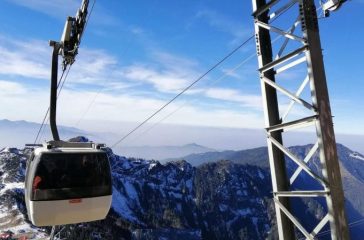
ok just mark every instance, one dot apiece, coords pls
pixel 186 89
pixel 65 79
pixel 226 74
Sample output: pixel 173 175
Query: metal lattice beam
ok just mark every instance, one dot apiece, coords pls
pixel 318 106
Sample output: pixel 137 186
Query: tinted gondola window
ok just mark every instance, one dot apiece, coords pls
pixel 71 175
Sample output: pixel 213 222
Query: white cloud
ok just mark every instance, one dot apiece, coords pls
pixel 94 67
pixel 163 81
pixel 21 102
pixel 121 107
pixel 130 108
pixel 122 92
pixel 226 94
pixel 195 116
pixel 24 58
pixel 9 88
pixel 32 59
pixel 167 73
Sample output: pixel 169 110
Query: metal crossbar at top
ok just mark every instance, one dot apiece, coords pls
pixel 308 52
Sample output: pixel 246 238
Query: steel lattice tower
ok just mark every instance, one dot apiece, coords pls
pixel 279 99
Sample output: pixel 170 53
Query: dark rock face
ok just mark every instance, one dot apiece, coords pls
pixel 223 200
pixel 231 201
pixel 79 139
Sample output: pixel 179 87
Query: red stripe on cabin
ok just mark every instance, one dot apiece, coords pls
pixel 79 200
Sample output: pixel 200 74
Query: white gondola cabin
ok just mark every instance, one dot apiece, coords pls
pixel 67 183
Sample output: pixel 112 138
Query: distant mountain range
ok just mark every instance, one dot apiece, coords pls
pixel 170 141
pixel 256 156
pixel 19 133
pixel 163 153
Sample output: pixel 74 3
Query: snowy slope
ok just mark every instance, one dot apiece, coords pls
pixel 12 208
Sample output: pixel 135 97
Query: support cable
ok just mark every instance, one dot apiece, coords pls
pixel 186 102
pixel 184 90
pixel 233 70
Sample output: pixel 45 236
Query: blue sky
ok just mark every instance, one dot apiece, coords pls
pixel 136 55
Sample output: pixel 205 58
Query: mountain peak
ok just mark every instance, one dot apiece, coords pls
pixel 79 139
pixel 193 145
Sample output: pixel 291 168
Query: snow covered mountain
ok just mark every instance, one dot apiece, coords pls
pixel 351 164
pixel 218 200
pixel 215 201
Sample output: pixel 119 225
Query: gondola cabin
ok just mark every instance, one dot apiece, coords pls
pixel 67 183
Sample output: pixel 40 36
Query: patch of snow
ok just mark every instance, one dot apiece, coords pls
pixel 2 214
pixel 260 174
pixel 10 150
pixel 8 186
pixel 20 227
pixel 152 185
pixel 223 207
pixel 7 221
pixel 120 205
pixel 130 190
pixel 244 212
pixel 151 166
pixel 176 195
pixel 357 156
